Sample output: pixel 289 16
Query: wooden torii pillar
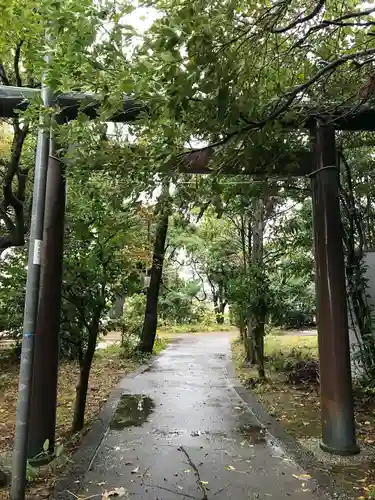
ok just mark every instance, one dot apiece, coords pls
pixel 338 427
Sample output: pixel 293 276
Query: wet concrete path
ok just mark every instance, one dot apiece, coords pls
pixel 181 431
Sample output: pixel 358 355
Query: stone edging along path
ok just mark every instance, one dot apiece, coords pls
pixel 85 455
pixel 326 486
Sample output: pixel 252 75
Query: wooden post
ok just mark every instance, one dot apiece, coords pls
pixel 338 429
pixel 46 360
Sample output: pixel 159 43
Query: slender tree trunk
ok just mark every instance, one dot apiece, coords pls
pixel 151 314
pixel 259 345
pixel 219 319
pixel 257 258
pixel 84 375
pixel 243 242
pixel 220 305
pixel 81 397
pixel 249 342
pixel 117 310
pixel 241 325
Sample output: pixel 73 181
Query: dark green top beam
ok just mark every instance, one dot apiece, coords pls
pixel 18 98
pixel 14 99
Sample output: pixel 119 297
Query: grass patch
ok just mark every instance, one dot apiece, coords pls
pixel 286 344
pixel 296 407
pixel 160 344
pixel 176 329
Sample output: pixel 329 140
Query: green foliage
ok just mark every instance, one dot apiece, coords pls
pixel 177 301
pixel 293 302
pixel 99 264
pixel 193 328
pixel 251 291
pixel 134 312
pixel 12 292
pixel 160 344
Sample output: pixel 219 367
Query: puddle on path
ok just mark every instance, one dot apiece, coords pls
pixel 132 410
pixel 253 433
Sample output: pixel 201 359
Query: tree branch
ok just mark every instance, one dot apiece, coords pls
pixel 290 97
pixel 17 57
pixel 301 20
pixel 339 21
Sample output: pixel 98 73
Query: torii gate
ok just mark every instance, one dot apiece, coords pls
pixel 338 430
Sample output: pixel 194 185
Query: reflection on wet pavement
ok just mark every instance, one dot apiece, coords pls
pixel 133 409
pixel 181 431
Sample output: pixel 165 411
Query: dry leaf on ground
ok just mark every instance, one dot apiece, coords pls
pixel 116 492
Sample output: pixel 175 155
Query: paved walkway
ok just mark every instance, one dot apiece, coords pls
pixel 181 431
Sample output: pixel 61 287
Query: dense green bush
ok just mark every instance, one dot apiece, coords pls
pixel 134 312
pixel 293 304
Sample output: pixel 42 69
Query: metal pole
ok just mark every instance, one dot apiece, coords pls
pixel 31 306
pixel 338 429
pixel 46 358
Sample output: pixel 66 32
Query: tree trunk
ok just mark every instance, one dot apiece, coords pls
pixel 117 310
pixel 220 312
pixel 151 314
pixel 258 320
pixel 249 343
pixel 220 319
pixel 84 375
pixel 243 242
pixel 259 345
pixel 81 397
pixel 241 325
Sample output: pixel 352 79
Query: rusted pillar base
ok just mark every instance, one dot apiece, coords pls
pixel 338 427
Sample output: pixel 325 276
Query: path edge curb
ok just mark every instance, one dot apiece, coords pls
pixel 83 458
pixel 327 488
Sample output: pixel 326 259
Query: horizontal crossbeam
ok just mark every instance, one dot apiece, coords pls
pixel 297 164
pixel 16 99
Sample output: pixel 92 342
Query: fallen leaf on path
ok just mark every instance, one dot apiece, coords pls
pixel 116 492
pixel 302 477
